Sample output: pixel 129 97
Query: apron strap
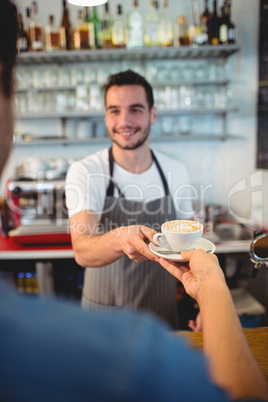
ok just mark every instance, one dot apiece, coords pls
pixel 164 181
pixel 112 184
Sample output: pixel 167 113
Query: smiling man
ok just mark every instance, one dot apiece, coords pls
pixel 117 200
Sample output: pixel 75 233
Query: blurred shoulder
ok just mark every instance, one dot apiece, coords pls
pixel 97 162
pixel 169 162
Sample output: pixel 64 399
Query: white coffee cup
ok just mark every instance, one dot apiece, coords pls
pixel 180 235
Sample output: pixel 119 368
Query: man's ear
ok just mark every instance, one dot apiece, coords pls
pixel 153 116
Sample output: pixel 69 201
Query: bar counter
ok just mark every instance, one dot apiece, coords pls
pixel 257 339
pixel 12 250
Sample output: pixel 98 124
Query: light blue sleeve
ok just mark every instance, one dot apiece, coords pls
pixel 55 351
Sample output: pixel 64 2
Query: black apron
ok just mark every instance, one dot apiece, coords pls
pixel 126 283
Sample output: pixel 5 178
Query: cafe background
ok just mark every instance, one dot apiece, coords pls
pixel 219 150
pixel 219 164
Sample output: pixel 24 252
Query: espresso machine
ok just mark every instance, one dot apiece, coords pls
pixel 36 200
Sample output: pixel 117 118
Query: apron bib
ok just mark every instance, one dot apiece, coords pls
pixel 126 283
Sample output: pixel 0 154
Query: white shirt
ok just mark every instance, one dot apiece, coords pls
pixel 87 181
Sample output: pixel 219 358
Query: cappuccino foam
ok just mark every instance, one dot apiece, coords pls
pixel 182 226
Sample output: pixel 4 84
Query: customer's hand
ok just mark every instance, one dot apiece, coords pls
pixel 201 270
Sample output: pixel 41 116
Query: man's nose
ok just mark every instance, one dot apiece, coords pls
pixel 124 117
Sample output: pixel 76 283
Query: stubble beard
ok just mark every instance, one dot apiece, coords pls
pixel 139 143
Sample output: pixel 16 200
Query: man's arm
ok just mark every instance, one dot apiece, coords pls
pixel 94 250
pixel 232 365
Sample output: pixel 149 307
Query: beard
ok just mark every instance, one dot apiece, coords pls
pixel 135 145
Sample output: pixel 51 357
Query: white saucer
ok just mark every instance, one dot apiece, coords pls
pixel 203 244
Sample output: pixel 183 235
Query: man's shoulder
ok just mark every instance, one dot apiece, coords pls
pixel 168 162
pixel 96 161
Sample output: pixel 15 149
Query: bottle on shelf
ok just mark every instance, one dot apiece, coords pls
pixel 231 28
pixel 106 28
pixel 119 29
pixel 195 32
pixel 166 27
pixel 23 44
pixel 97 28
pixel 65 29
pixel 52 36
pixel 223 21
pixel 88 25
pixel 83 36
pixel 152 26
pixel 205 18
pixel 135 28
pixel 36 31
pixel 27 25
pixel 213 29
pixel 181 32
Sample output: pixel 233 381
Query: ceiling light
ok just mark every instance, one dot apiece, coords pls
pixel 87 3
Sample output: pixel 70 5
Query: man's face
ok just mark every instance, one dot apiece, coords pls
pixel 6 124
pixel 128 118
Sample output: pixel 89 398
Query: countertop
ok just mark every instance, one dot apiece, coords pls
pixel 12 250
pixel 257 339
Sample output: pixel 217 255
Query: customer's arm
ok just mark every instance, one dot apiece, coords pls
pixel 96 250
pixel 232 365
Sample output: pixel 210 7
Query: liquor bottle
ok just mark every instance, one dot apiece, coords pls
pixel 135 28
pixel 65 29
pixel 166 27
pixel 205 18
pixel 195 32
pixel 23 41
pixel 52 36
pixel 213 31
pixel 88 25
pixel 36 32
pixel 97 28
pixel 231 29
pixel 223 21
pixel 27 27
pixel 181 32
pixel 106 28
pixel 81 35
pixel 119 29
pixel 152 27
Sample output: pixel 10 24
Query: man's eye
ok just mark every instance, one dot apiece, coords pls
pixel 114 111
pixel 135 110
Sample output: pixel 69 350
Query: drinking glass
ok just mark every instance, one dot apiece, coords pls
pixel 220 97
pixel 185 125
pixel 209 98
pixel 187 72
pixel 175 73
pixel 187 99
pixel 66 76
pixel 43 77
pixel 33 102
pixel 82 98
pixel 52 77
pixel 201 71
pixel 95 98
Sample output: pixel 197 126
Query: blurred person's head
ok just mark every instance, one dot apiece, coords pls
pixel 8 51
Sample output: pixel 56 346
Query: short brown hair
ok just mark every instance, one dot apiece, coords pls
pixel 130 77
